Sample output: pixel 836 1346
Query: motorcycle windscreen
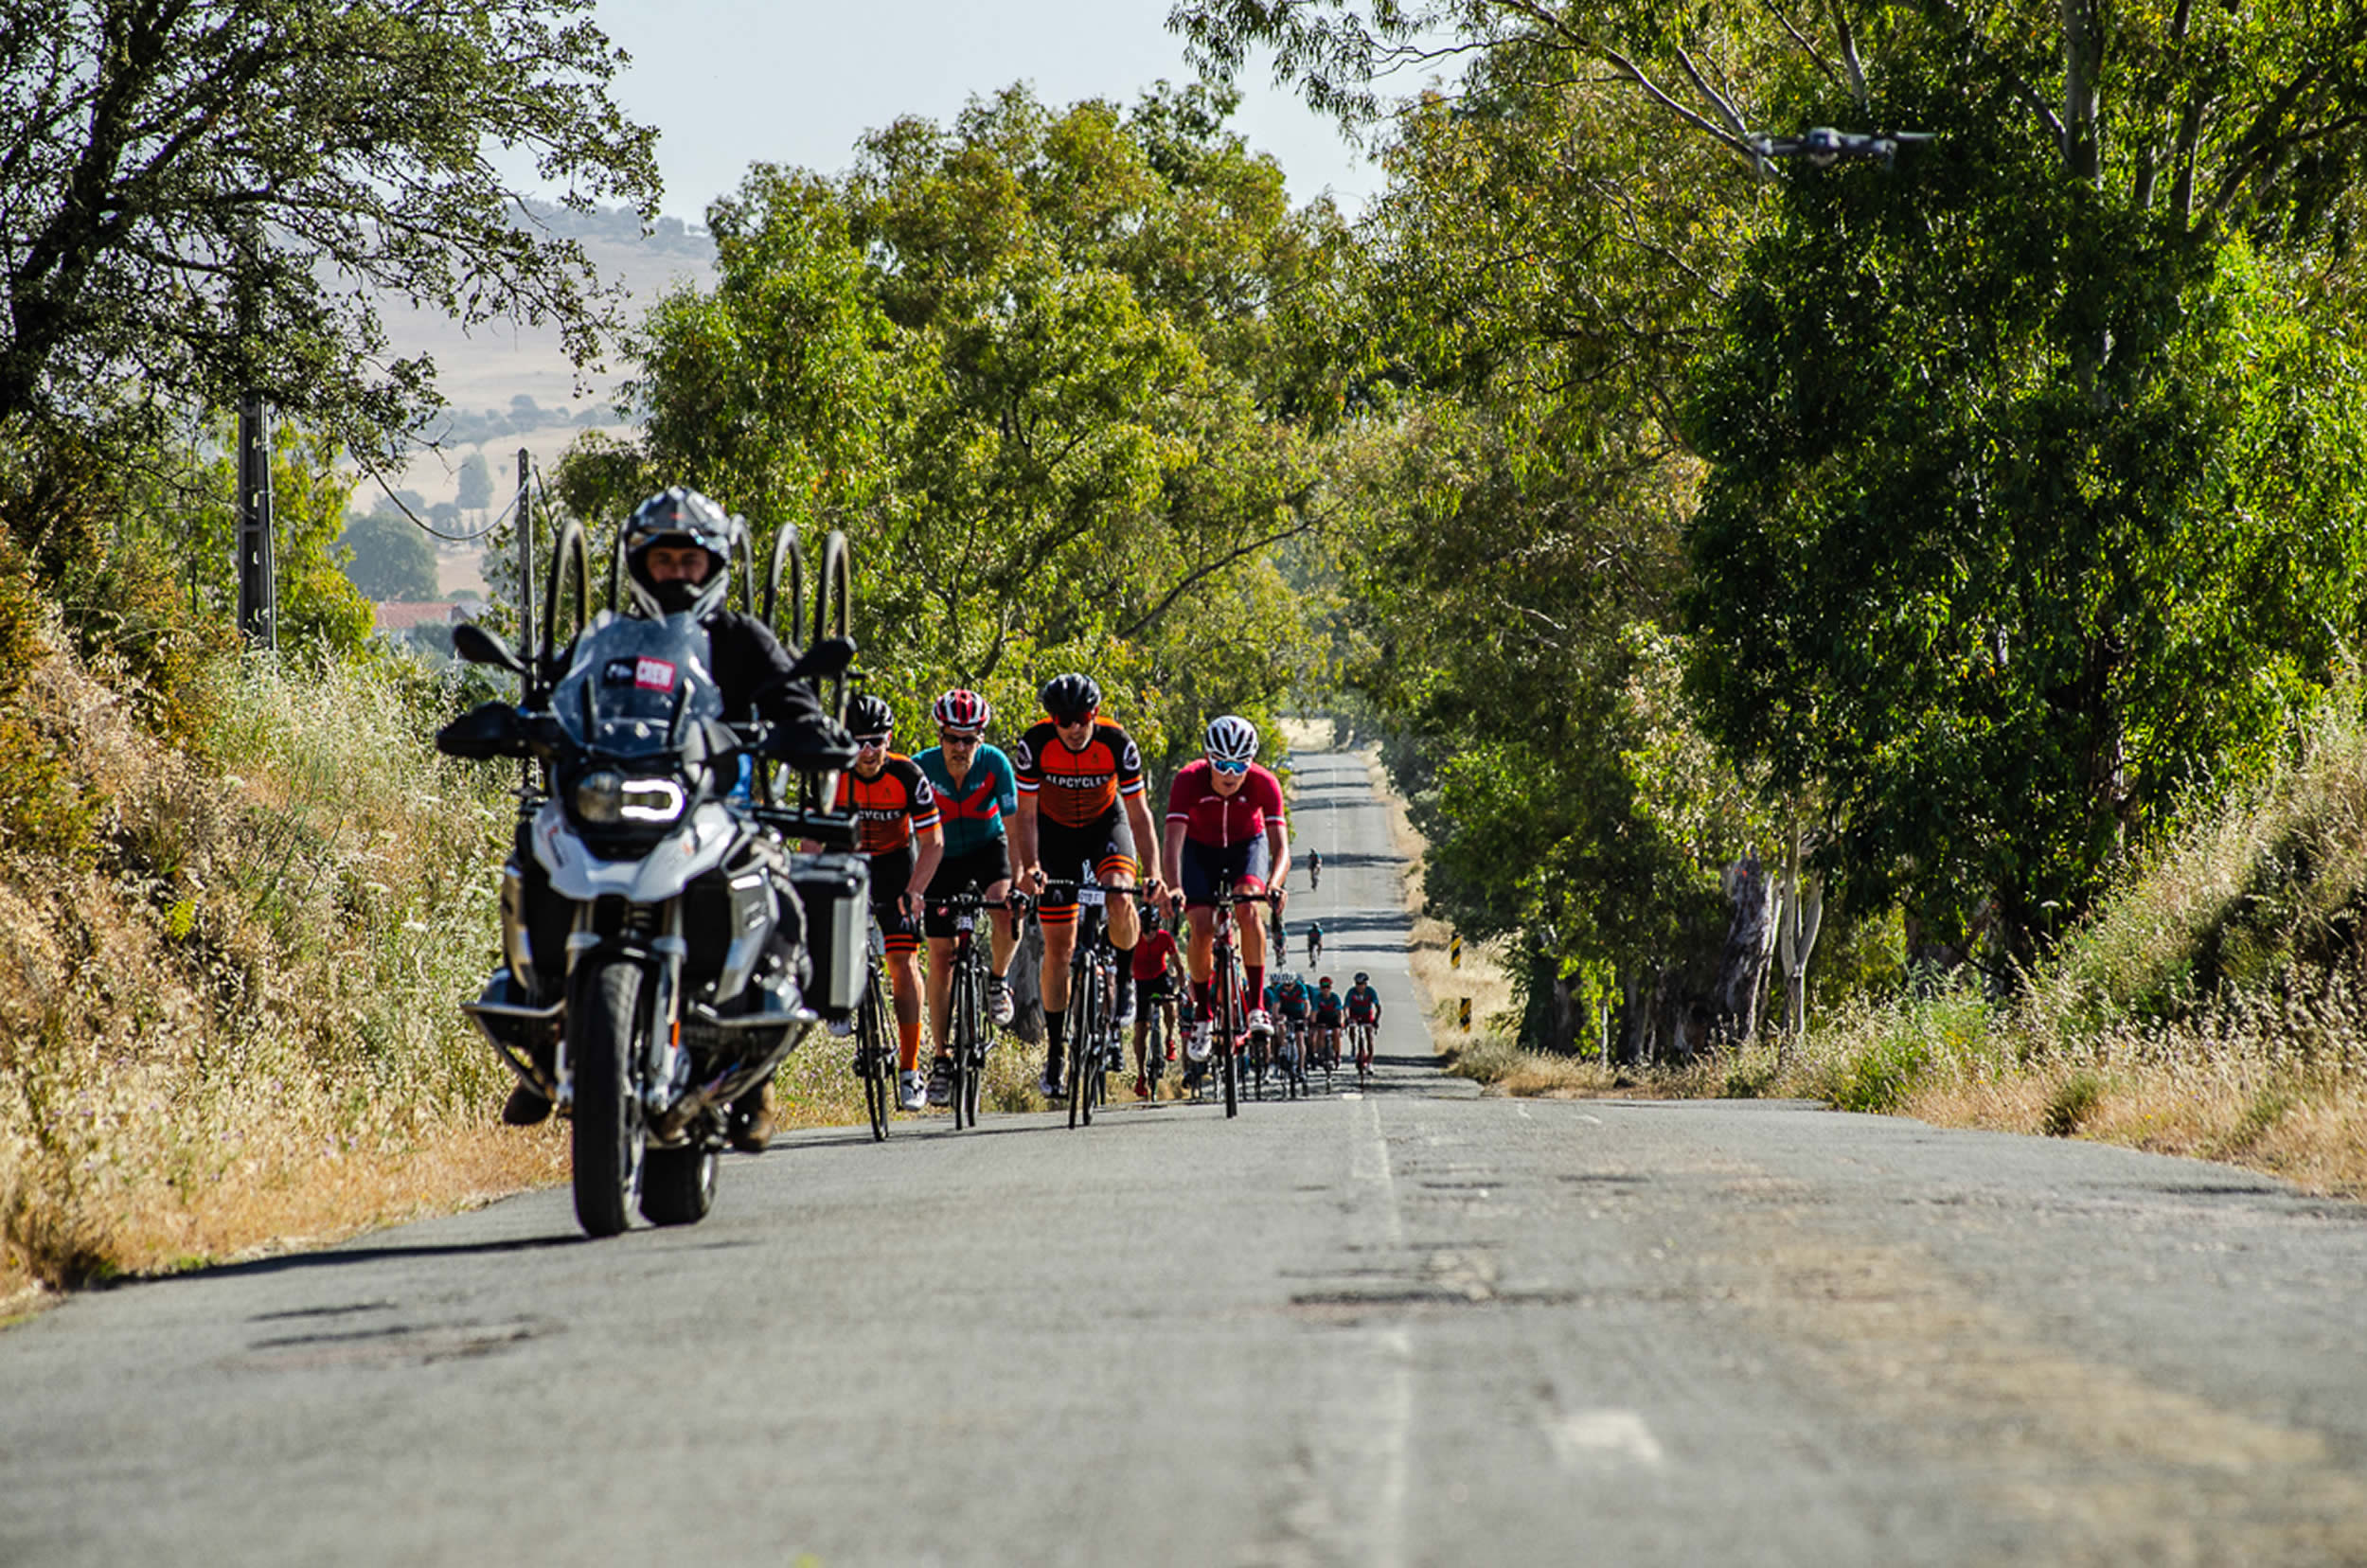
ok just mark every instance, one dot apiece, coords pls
pixel 635 685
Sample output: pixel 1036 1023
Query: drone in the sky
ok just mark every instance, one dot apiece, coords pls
pixel 1821 146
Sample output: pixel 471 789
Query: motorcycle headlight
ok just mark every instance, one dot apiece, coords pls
pixel 608 797
pixel 600 796
pixel 652 800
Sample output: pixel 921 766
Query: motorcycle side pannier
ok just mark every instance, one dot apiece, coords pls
pixel 836 891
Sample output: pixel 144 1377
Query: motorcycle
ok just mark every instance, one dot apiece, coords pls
pixel 665 949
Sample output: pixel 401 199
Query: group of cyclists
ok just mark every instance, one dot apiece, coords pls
pixel 1065 810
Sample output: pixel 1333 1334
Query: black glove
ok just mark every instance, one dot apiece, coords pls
pixel 812 744
pixel 490 730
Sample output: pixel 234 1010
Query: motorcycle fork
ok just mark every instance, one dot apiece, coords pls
pixel 651 934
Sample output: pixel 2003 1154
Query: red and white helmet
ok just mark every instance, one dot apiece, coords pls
pixel 1230 739
pixel 962 709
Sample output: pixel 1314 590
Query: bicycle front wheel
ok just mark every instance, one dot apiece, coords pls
pixel 875 1058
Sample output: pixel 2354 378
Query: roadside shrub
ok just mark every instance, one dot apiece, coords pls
pixel 1878 1079
pixel 2071 1106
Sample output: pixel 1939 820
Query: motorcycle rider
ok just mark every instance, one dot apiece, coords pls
pixel 678 549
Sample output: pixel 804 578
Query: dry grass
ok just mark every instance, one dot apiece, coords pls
pixel 229 1022
pixel 2114 1043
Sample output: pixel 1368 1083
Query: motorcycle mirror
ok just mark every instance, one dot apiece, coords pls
pixel 478 645
pixel 826 660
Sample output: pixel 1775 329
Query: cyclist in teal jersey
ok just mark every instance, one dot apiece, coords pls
pixel 977 792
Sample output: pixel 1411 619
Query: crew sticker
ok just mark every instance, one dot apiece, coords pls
pixel 646 673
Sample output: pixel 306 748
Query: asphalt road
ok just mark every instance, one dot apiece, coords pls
pixel 1416 1326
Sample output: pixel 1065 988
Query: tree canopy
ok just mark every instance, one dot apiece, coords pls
pixel 197 201
pixel 1058 372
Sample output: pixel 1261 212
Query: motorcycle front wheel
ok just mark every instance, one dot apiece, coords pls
pixel 607 1132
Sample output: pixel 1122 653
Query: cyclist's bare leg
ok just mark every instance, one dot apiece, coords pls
pixel 1006 929
pixel 1199 945
pixel 904 980
pixel 1125 924
pixel 1250 920
pixel 940 992
pixel 1059 943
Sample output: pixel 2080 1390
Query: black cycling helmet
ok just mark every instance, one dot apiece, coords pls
pixel 1363 979
pixel 679 517
pixel 869 715
pixel 1069 698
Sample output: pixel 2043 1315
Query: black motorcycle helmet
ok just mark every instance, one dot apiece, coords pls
pixel 679 518
pixel 1069 698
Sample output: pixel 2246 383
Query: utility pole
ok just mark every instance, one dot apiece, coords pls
pixel 526 571
pixel 258 590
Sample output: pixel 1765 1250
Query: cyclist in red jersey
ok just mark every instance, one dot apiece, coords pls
pixel 1226 824
pixel 1155 959
pixel 1080 814
pixel 902 836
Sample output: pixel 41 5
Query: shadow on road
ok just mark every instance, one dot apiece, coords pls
pixel 341 1256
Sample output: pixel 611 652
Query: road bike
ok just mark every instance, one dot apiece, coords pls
pixel 1155 1040
pixel 966 1026
pixel 1094 1049
pixel 875 1042
pixel 1361 1038
pixel 1227 1017
pixel 1291 1060
pixel 1324 1053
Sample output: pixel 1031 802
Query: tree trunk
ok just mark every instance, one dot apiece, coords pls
pixel 1749 948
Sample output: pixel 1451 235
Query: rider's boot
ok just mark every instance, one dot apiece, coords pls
pixel 750 1128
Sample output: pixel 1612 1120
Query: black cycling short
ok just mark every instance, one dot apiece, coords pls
pixel 1066 854
pixel 1207 867
pixel 971 871
pixel 891 874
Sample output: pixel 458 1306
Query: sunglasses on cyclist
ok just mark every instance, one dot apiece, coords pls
pixel 950 738
pixel 872 742
pixel 1228 764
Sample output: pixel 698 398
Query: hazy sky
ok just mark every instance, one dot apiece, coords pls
pixel 729 82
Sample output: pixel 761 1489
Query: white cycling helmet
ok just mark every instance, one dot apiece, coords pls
pixel 1231 740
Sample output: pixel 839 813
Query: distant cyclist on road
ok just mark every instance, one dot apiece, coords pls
pixel 1156 959
pixel 1225 825
pixel 1314 869
pixel 1329 1009
pixel 1363 1009
pixel 1314 942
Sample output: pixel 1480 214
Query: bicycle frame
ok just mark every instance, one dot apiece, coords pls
pixel 1227 1008
pixel 967 1035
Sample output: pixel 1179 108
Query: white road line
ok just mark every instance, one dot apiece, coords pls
pixel 1396 1429
pixel 1589 1440
pixel 1394 1347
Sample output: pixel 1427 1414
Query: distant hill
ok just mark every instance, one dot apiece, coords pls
pixel 509 387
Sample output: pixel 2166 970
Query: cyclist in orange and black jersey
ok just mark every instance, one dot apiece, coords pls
pixel 901 833
pixel 1081 812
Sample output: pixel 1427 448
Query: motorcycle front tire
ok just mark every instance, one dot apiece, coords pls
pixel 606 1134
pixel 678 1184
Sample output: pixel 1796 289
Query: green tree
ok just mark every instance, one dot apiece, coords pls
pixel 2030 462
pixel 391 558
pixel 201 201
pixel 477 484
pixel 1043 366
